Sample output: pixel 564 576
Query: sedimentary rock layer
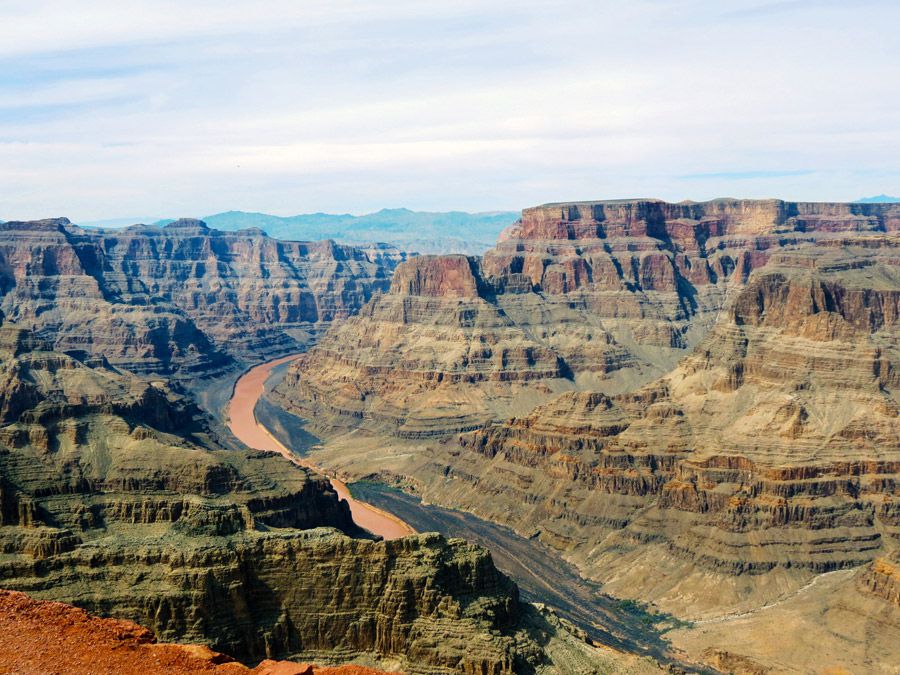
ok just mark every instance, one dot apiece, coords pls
pixel 774 445
pixel 179 299
pixel 602 296
pixel 40 636
pixel 116 496
pixel 770 450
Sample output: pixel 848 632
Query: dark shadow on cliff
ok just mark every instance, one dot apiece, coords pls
pixel 541 575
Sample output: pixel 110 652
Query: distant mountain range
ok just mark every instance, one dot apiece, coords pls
pixel 878 199
pixel 419 231
pixel 423 232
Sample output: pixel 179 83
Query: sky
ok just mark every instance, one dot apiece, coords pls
pixel 174 108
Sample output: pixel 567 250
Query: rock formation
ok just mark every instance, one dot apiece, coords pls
pixel 40 636
pixel 695 403
pixel 116 496
pixel 769 454
pixel 183 298
pixel 776 443
pixel 882 579
pixel 435 354
pixel 602 296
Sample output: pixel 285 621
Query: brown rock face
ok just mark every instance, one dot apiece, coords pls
pixel 767 455
pixel 450 276
pixel 182 298
pixel 436 354
pixel 688 222
pixel 773 445
pixel 883 579
pixel 116 496
pixel 39 636
pixel 604 295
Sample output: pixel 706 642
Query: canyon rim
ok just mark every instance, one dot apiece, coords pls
pixel 397 371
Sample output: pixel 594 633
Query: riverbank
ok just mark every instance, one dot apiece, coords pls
pixel 242 422
pixel 542 576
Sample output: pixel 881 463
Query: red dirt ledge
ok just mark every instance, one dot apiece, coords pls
pixel 51 637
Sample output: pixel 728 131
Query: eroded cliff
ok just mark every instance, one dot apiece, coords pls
pixel 40 636
pixel 602 296
pixel 766 456
pixel 116 496
pixel 183 299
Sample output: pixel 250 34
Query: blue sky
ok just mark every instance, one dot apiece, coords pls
pixel 188 108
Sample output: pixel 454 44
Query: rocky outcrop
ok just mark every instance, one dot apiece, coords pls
pixel 41 636
pixel 773 445
pixel 603 295
pixel 117 497
pixel 179 299
pixel 451 276
pixel 698 221
pixel 436 354
pixel 882 579
pixel 770 450
pixel 423 597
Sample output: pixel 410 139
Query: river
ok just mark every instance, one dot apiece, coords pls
pixel 246 427
pixel 542 576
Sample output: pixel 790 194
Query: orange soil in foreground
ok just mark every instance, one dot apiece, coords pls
pixel 52 638
pixel 245 427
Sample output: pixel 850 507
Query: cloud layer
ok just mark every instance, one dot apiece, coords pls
pixel 170 108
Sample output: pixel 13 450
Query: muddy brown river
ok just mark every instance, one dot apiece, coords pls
pixel 542 576
pixel 246 427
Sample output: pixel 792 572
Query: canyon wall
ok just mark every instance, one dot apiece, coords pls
pixel 731 414
pixel 599 296
pixel 116 496
pixel 180 299
pixel 40 636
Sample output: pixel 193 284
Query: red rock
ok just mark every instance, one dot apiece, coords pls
pixel 449 276
pixel 39 637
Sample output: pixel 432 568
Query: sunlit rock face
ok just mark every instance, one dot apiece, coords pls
pixel 183 298
pixel 605 295
pixel 707 389
pixel 116 495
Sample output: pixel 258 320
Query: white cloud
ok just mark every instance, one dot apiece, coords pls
pixel 189 108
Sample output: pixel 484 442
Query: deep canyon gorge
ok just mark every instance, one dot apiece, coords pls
pixel 687 414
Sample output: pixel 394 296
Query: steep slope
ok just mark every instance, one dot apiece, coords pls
pixel 436 354
pixel 40 636
pixel 115 496
pixel 774 445
pixel 180 299
pixel 53 281
pixel 768 455
pixel 783 420
pixel 601 296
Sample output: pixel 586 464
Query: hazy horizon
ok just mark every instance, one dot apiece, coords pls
pixel 347 107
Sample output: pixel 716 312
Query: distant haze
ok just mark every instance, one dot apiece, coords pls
pixel 453 232
pixel 165 107
pixel 879 199
pixel 415 231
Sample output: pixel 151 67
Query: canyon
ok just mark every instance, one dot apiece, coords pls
pixel 182 300
pixel 121 496
pixel 245 426
pixel 684 417
pixel 117 496
pixel 694 403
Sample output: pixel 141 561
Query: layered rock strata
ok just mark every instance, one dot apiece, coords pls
pixel 436 353
pixel 774 446
pixel 600 296
pixel 115 496
pixel 179 299
pixel 39 636
pixel 770 450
